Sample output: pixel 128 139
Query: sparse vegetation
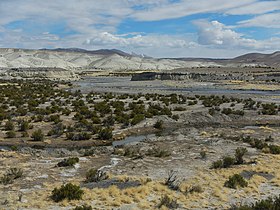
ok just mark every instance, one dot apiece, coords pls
pixel 94 175
pixel 168 202
pixel 172 181
pixel 10 175
pixel 265 204
pixel 68 191
pixel 91 119
pixel 37 135
pixel 158 124
pixel 236 181
pixel 84 207
pixel 68 162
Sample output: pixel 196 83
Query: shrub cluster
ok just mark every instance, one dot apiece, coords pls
pixel 236 181
pixel 262 145
pixel 168 202
pixel 68 162
pixel 68 191
pixel 228 161
pixel 265 204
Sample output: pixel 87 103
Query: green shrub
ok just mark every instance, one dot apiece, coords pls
pixel 105 134
pixel 203 154
pixel 89 152
pixel 11 134
pixel 68 191
pixel 11 175
pixel 15 173
pixel 227 111
pixel 68 162
pixel 131 152
pixel 84 207
pixel 217 164
pixel 179 109
pixel 274 149
pixel 190 103
pixel 137 119
pixel 109 121
pixel 14 148
pixel 269 109
pixel 157 152
pixel 158 124
pixel 24 134
pixel 211 111
pixel 228 161
pixel 235 181
pixel 6 179
pixel 57 130
pixel 37 135
pixel 9 126
pixel 78 136
pixel 168 202
pixel 93 175
pixel 175 117
pixel 265 204
pixel 23 126
pixel 239 153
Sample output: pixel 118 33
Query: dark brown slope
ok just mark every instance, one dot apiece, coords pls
pixel 272 59
pixel 107 52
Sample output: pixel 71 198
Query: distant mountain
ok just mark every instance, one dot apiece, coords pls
pixel 114 60
pixel 272 59
pixel 95 52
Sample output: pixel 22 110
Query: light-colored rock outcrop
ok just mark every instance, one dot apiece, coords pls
pixel 20 58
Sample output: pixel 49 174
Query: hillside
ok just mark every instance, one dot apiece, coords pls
pixel 104 59
pixel 272 59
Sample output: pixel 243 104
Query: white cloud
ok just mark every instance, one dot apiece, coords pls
pixel 216 34
pixel 187 7
pixel 261 7
pixel 80 16
pixel 271 20
pixel 95 23
pixel 136 41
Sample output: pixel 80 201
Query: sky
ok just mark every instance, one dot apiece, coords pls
pixel 157 28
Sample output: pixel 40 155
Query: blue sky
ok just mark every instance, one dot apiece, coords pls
pixel 159 28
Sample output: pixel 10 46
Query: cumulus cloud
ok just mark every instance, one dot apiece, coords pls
pixel 137 41
pixel 216 34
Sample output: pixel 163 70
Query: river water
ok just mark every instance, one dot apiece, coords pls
pixel 124 85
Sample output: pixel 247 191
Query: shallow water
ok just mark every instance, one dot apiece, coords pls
pixel 125 85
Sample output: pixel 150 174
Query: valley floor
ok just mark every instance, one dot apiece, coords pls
pixel 182 140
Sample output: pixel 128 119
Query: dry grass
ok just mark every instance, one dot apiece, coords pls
pixel 147 196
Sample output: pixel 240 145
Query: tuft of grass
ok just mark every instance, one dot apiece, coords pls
pixel 168 202
pixel 11 175
pixel 172 181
